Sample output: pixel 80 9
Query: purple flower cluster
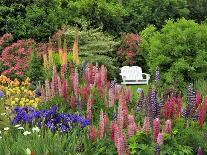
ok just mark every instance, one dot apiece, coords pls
pixel 48 118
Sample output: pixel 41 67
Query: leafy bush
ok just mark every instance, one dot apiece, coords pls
pixel 179 49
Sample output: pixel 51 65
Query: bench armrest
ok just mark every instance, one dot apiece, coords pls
pixel 147 75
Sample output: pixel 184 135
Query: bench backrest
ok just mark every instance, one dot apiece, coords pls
pixel 132 73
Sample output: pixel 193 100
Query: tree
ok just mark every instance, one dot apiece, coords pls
pixel 179 49
pixel 35 70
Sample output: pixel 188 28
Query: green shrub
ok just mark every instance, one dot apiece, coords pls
pixel 179 49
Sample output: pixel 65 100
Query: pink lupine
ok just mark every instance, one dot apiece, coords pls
pixel 72 102
pixel 168 126
pixel 132 125
pixel 47 89
pixel 111 97
pixel 106 121
pixel 62 71
pixel 160 139
pixel 146 126
pixel 120 117
pixel 54 84
pixel 88 110
pixel 101 125
pixel 92 134
pixel 42 90
pixel 59 83
pixel 156 128
pixel 75 82
pixel 198 99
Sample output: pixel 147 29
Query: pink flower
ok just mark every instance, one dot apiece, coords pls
pixel 146 126
pixel 160 139
pixel 132 126
pixel 156 128
pixel 101 125
pixel 168 128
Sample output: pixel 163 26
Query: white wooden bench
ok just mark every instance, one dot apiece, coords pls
pixel 134 75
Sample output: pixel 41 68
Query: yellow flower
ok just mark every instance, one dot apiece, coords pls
pixel 27 100
pixel 16 99
pixel 13 102
pixel 21 103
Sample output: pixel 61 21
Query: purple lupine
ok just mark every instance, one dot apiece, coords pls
pixel 157 75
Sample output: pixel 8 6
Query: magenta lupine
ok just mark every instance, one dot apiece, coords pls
pixel 146 126
pixel 156 128
pixel 199 151
pixel 168 126
pixel 48 90
pixel 132 128
pixel 179 105
pixel 172 105
pixel 101 125
pixel 160 139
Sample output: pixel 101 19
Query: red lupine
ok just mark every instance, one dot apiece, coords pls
pixel 65 90
pixel 156 128
pixel 198 99
pixel 201 116
pixel 92 134
pixel 112 128
pixel 166 110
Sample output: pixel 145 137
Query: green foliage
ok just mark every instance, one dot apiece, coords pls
pixel 141 13
pixel 197 9
pixel 35 70
pixel 96 46
pixel 179 49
